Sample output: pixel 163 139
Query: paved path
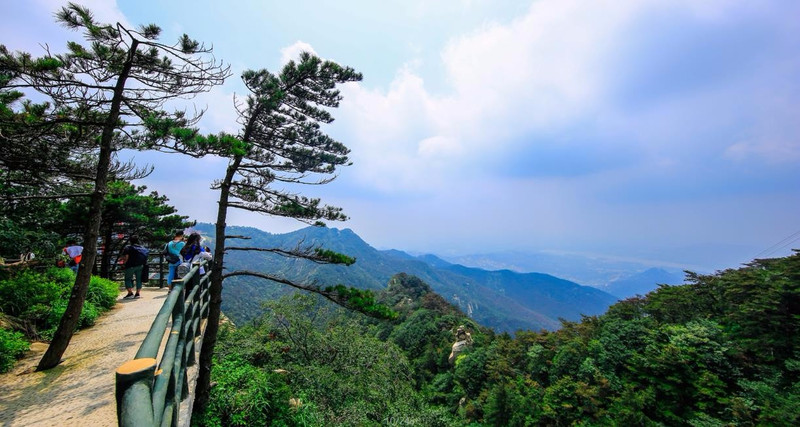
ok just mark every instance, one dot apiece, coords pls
pixel 80 391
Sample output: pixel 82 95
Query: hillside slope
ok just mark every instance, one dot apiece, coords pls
pixel 503 300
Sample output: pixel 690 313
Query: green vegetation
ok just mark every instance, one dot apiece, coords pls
pixel 321 367
pixel 12 346
pixel 720 350
pixel 33 302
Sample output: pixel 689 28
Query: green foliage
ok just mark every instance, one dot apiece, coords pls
pixel 102 292
pixel 27 290
pixel 12 346
pixel 30 229
pixel 89 314
pixel 720 350
pixel 39 300
pixel 334 257
pixel 247 396
pixel 341 375
pixel 361 300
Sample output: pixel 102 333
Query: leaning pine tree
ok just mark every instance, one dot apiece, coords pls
pixel 281 142
pixel 116 84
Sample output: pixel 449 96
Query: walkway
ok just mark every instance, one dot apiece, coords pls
pixel 80 391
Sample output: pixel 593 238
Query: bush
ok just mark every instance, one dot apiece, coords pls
pixel 40 299
pixel 12 346
pixel 103 293
pixel 89 315
pixel 246 396
pixel 63 276
pixel 25 290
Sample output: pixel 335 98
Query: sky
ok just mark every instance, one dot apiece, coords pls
pixel 666 130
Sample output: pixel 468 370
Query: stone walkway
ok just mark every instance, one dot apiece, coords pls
pixel 80 391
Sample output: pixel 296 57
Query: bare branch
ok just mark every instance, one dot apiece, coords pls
pixel 50 197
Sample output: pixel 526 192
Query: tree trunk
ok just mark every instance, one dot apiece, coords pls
pixel 69 321
pixel 215 291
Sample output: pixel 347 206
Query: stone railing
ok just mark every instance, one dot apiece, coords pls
pixel 150 388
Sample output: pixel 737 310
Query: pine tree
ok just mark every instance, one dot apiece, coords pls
pixel 282 143
pixel 117 85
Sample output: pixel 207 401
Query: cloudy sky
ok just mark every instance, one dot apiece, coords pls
pixel 662 130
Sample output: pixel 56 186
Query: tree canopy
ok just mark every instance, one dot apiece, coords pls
pixel 719 350
pixel 107 93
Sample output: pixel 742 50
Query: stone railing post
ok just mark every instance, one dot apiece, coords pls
pixel 134 388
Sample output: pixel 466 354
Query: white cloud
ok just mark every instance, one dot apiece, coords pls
pixel 539 72
pixel 220 114
pixel 291 53
pixel 609 73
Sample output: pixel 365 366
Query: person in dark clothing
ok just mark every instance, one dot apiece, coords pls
pixel 134 257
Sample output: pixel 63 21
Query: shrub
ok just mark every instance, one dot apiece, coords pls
pixel 63 276
pixel 40 299
pixel 25 290
pixel 245 396
pixel 103 293
pixel 12 346
pixel 89 315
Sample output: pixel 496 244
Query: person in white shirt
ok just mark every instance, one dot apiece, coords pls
pixel 75 253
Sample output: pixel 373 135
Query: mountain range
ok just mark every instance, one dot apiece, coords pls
pixel 622 278
pixel 503 300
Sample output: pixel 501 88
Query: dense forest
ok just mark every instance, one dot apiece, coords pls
pixel 719 350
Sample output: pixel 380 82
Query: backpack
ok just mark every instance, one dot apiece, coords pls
pixel 170 257
pixel 183 269
pixel 137 256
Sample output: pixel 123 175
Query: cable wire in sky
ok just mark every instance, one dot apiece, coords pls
pixel 780 245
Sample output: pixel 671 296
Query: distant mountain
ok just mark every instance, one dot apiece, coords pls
pixel 503 300
pixel 642 283
pixel 597 271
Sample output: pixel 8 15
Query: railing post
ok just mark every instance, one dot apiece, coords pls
pixel 145 398
pixel 179 371
pixel 161 280
pixel 206 304
pixel 190 321
pixel 134 387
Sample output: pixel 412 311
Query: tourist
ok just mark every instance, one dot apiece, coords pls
pixel 75 254
pixel 172 252
pixel 134 257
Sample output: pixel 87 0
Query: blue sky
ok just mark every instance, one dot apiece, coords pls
pixel 665 130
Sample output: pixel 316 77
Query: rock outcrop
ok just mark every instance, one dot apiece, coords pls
pixel 463 340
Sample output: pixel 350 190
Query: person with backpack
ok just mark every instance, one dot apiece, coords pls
pixel 172 253
pixel 134 257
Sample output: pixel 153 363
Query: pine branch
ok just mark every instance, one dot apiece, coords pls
pixel 351 298
pixel 317 255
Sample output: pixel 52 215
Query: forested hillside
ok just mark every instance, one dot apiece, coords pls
pixel 503 300
pixel 719 350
